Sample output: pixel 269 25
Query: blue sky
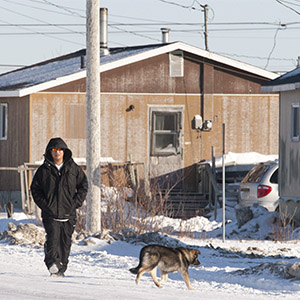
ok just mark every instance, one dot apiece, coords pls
pixel 264 33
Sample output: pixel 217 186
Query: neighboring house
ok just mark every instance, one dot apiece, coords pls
pixel 288 87
pixel 151 98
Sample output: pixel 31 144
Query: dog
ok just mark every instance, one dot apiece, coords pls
pixel 168 260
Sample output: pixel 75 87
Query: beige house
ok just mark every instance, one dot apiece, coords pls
pixel 163 105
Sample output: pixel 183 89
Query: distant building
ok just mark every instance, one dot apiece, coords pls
pixel 288 87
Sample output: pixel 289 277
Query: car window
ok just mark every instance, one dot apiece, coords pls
pixel 274 177
pixel 256 173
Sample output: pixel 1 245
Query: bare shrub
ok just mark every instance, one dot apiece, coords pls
pixel 283 231
pixel 141 206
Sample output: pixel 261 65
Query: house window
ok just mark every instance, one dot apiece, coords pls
pixel 165 133
pixel 176 63
pixel 295 124
pixel 3 121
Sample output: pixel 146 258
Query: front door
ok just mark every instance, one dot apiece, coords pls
pixel 166 145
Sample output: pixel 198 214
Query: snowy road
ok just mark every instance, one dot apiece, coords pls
pixel 101 272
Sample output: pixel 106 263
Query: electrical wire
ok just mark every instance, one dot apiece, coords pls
pixel 132 32
pixel 64 8
pixel 177 4
pixel 282 3
pixel 33 30
pixel 38 8
pixel 273 48
pixel 32 18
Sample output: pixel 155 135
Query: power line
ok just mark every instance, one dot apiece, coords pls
pixel 39 25
pixel 256 57
pixel 134 33
pixel 33 30
pixel 177 4
pixel 273 48
pixel 42 33
pixel 282 3
pixel 35 7
pixel 9 66
pixel 64 8
pixel 163 24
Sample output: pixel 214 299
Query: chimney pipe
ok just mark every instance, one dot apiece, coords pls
pixel 298 62
pixel 165 35
pixel 103 31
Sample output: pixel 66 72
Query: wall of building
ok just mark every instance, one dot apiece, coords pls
pixel 289 151
pixel 152 76
pixel 14 150
pixel 125 133
pixel 57 115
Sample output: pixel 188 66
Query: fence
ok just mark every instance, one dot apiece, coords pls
pixel 127 174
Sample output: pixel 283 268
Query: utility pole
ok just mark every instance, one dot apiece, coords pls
pixel 205 10
pixel 205 7
pixel 223 181
pixel 93 129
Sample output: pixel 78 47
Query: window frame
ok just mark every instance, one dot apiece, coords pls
pixel 174 133
pixel 295 123
pixel 3 121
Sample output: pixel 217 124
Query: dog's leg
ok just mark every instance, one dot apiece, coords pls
pixel 164 277
pixel 185 276
pixel 140 272
pixel 153 275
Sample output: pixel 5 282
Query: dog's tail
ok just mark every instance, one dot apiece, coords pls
pixel 134 270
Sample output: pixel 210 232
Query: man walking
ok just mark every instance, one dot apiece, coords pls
pixel 58 188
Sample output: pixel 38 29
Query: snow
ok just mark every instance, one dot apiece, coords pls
pixel 250 264
pixel 229 270
pixel 248 158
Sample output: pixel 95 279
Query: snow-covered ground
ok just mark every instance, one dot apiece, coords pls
pixel 256 260
pixel 245 266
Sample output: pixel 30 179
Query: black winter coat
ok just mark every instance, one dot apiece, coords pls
pixel 59 193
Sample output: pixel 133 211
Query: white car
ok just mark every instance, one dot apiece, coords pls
pixel 260 186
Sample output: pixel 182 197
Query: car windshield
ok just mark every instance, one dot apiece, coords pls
pixel 256 173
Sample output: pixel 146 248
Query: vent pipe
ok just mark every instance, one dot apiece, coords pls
pixel 82 62
pixel 103 31
pixel 298 62
pixel 165 35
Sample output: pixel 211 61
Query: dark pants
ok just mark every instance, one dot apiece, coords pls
pixel 58 242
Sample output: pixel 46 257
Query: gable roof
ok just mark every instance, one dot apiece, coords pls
pixel 287 82
pixel 67 68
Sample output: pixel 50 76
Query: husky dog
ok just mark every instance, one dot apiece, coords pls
pixel 167 260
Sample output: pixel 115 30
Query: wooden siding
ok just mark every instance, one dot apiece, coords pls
pixel 152 76
pixel 51 118
pixel 251 122
pixel 14 150
pixel 126 132
pixel 289 151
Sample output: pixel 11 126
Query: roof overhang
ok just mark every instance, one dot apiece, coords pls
pixel 281 87
pixel 43 86
pixel 139 57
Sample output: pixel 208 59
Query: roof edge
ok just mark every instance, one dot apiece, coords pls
pixel 165 48
pixel 280 87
